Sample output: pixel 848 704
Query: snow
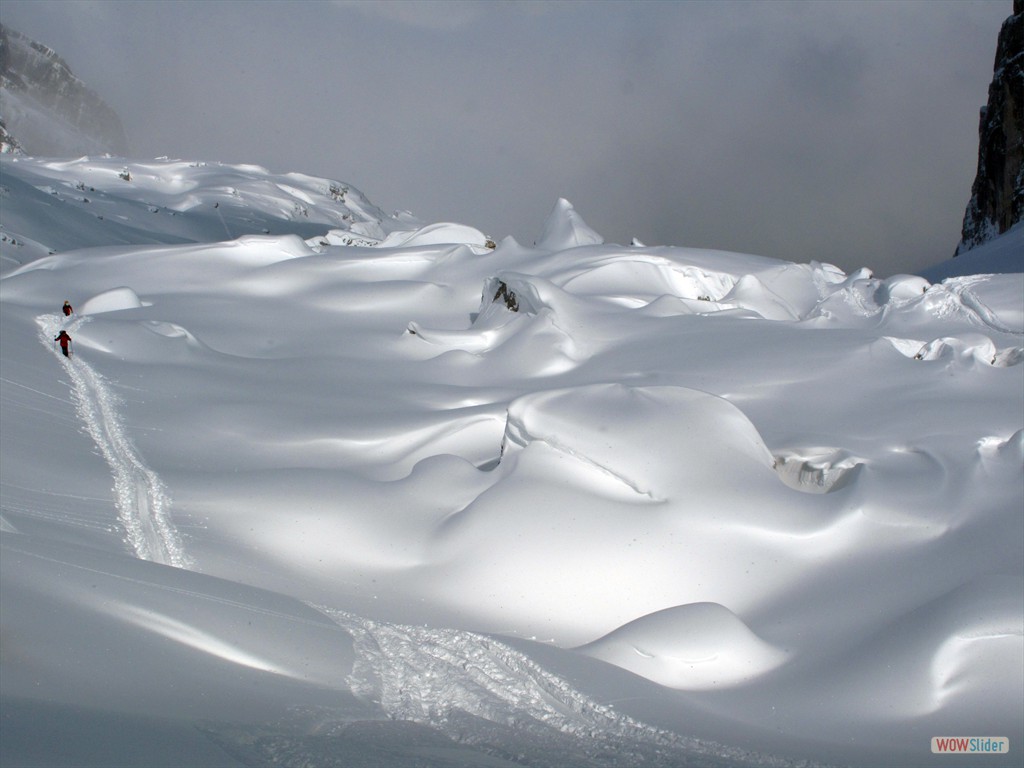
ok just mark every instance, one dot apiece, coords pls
pixel 690 647
pixel 1004 253
pixel 344 488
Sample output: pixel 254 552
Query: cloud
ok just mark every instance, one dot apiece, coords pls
pixel 424 14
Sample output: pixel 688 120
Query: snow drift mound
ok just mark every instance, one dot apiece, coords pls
pixel 1009 450
pixel 966 350
pixel 689 647
pixel 112 301
pixel 612 501
pixel 697 435
pixel 817 469
pixel 528 318
pixel 442 233
pixel 565 228
pixel 639 279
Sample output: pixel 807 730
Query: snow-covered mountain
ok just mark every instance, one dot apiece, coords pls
pixel 46 108
pixel 62 205
pixel 324 486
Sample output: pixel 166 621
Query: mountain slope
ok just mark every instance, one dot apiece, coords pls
pixel 59 205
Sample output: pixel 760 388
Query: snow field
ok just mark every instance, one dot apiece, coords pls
pixel 786 498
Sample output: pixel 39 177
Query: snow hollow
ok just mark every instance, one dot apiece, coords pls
pixel 324 486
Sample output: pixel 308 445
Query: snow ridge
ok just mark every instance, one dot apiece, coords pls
pixel 139 493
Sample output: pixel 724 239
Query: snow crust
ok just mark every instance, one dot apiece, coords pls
pixel 361 489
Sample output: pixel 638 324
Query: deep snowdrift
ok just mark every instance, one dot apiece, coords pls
pixel 423 499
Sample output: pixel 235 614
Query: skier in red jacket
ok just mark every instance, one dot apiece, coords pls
pixel 65 342
pixel 67 308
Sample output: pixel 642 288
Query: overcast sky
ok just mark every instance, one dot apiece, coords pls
pixel 843 132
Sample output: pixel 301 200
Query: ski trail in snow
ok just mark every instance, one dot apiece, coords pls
pixel 475 688
pixel 956 295
pixel 961 288
pixel 141 498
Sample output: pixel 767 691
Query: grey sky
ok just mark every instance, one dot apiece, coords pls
pixel 834 131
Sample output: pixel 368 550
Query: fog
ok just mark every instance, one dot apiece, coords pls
pixel 838 132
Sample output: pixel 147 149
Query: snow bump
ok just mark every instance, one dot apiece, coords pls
pixel 689 647
pixel 113 300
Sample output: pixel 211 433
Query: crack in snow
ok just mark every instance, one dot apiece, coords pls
pixel 517 433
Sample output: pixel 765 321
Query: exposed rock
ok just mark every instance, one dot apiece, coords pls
pixel 997 197
pixel 8 144
pixel 509 296
pixel 50 110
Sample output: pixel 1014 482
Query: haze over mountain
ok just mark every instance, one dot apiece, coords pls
pixel 47 109
pixel 839 132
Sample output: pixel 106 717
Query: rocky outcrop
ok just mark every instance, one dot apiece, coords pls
pixel 48 109
pixel 997 197
pixel 8 144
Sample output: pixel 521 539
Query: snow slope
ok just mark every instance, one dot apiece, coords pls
pixel 358 491
pixel 1003 254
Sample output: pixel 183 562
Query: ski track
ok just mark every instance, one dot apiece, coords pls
pixel 139 494
pixel 981 314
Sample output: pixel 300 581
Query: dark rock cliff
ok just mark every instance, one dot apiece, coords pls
pixel 997 197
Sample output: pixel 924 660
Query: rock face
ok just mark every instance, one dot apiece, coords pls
pixel 8 144
pixel 47 108
pixel 997 197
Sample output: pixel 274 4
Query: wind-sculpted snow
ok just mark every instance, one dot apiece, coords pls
pixel 565 229
pixel 111 301
pixel 965 350
pixel 567 504
pixel 910 300
pixel 817 469
pixel 581 422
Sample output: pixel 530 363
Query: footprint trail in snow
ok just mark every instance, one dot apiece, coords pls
pixel 141 498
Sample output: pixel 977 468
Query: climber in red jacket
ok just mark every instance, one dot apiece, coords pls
pixel 65 342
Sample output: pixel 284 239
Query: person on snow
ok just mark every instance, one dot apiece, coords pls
pixel 65 342
pixel 67 308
